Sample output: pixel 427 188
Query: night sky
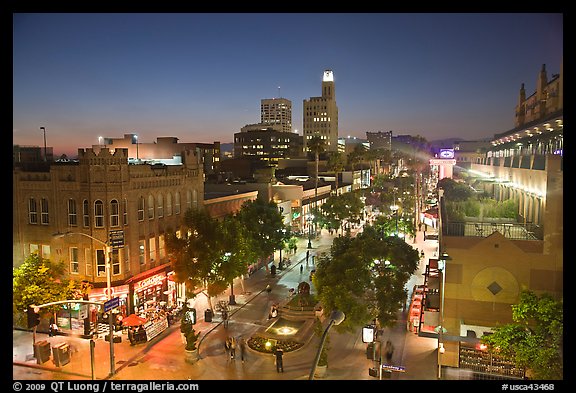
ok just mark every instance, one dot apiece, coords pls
pixel 200 77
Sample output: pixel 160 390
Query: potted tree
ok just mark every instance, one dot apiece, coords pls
pixel 191 337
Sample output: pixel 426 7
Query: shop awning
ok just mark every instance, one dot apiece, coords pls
pixel 148 273
pixel 133 320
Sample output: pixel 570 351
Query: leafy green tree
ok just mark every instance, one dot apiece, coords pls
pixel 264 224
pixel 237 250
pixel 535 339
pixel 336 209
pixel 196 254
pixel 364 277
pixel 336 163
pixel 39 281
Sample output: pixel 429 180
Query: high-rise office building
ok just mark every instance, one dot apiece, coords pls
pixel 276 111
pixel 321 115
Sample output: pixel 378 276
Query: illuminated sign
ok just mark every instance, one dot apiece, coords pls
pixel 368 334
pixel 440 161
pixel 150 281
pixel 446 153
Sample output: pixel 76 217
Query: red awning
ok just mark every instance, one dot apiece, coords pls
pixel 148 273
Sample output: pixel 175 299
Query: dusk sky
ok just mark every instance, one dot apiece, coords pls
pixel 200 77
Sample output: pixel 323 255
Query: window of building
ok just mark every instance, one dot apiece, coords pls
pixel 152 249
pixel 169 204
pixel 101 263
pixel 85 213
pixel 177 203
pixel 150 207
pixel 141 209
pixel 72 213
pixel 125 212
pixel 126 258
pixel 33 248
pixel 88 262
pixel 114 213
pixel 74 264
pixel 161 247
pixel 46 251
pixel 44 217
pixel 160 209
pixel 99 214
pixel 141 252
pixel 115 256
pixel 32 211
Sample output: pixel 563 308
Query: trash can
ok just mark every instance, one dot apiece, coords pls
pixel 208 315
pixel 61 354
pixel 42 351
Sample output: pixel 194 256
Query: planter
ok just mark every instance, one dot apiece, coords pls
pixel 191 356
pixel 320 371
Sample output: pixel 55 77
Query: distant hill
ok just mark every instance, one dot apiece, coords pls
pixel 444 143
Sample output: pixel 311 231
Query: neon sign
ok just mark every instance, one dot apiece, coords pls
pixel 150 281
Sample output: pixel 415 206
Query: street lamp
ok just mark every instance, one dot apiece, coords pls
pixel 232 300
pixel 394 209
pixel 442 270
pixel 136 138
pixel 108 288
pixel 309 218
pixel 336 318
pixel 281 245
pixel 44 129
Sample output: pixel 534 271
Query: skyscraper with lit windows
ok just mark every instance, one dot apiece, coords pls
pixel 276 111
pixel 321 115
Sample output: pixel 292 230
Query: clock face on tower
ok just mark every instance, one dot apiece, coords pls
pixel 328 76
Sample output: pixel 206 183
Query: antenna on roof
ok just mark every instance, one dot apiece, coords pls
pixel 279 92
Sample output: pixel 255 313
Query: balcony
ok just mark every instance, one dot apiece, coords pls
pixel 511 230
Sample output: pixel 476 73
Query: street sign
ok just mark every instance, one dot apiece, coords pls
pixel 116 238
pixel 83 311
pixel 112 303
pixel 398 369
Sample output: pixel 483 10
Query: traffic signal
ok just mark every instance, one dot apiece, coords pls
pixel 33 317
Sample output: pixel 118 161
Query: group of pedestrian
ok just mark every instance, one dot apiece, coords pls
pixel 230 345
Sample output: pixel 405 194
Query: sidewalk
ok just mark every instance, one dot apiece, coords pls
pixel 80 365
pixel 347 357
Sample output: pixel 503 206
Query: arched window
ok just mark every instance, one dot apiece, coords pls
pixel 32 211
pixel 177 203
pixel 160 209
pixel 150 207
pixel 98 214
pixel 169 204
pixel 85 213
pixel 114 213
pixel 141 209
pixel 72 213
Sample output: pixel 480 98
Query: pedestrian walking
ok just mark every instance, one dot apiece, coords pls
pixel 389 351
pixel 307 256
pixel 232 347
pixel 268 289
pixel 278 353
pixel 301 269
pixel 422 254
pixel 242 349
pixel 225 318
pixel 227 346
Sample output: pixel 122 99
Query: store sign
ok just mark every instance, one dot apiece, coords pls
pixel 368 334
pixel 446 153
pixel 440 161
pixel 154 280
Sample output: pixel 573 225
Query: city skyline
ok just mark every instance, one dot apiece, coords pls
pixel 201 77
